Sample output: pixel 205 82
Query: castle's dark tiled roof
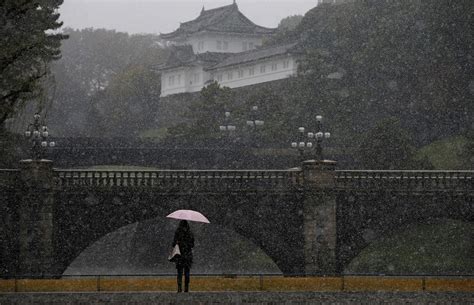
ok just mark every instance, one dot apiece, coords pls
pixel 225 19
pixel 181 56
pixel 254 55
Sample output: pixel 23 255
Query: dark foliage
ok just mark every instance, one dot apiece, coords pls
pixel 27 44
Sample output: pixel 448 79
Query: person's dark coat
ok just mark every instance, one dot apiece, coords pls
pixel 185 239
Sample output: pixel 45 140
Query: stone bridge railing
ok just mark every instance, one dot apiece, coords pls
pixel 405 180
pixel 258 180
pixel 204 180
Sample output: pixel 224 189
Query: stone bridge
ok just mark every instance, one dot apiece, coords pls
pixel 310 220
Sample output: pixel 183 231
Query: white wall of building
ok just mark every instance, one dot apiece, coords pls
pixel 223 43
pixel 258 72
pixel 183 79
pixel 192 79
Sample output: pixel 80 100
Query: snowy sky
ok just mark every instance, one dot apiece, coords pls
pixel 163 16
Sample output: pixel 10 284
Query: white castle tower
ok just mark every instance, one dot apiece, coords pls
pixel 222 44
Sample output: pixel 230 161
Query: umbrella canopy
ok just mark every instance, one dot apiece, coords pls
pixel 188 215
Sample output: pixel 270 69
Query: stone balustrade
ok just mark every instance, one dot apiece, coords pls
pixel 212 180
pixel 292 179
pixel 404 180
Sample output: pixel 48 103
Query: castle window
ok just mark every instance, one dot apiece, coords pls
pixel 219 77
pixel 179 79
pixel 171 80
pixel 262 69
pixel 230 75
pixel 286 64
pixel 219 45
pixel 244 46
pixel 251 71
pixel 251 45
pixel 274 66
pixel 196 77
pixel 201 45
pixel 241 73
pixel 226 45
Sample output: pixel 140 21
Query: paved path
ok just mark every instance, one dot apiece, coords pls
pixel 247 298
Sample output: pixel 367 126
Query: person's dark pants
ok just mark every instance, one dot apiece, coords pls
pixel 180 278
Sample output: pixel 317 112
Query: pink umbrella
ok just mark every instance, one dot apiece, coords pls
pixel 188 215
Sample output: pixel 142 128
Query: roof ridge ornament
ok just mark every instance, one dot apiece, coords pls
pixel 203 9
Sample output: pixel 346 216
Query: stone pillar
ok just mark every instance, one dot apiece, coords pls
pixel 319 217
pixel 36 249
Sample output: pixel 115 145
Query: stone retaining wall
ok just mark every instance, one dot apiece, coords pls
pixel 243 283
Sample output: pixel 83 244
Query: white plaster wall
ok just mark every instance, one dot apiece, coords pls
pixel 178 83
pixel 235 44
pixel 191 86
pixel 258 77
pixel 196 79
pixel 191 79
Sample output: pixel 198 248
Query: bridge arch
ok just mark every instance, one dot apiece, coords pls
pixel 85 217
pixel 143 247
pixel 367 217
pixel 434 246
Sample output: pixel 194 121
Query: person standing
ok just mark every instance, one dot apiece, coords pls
pixel 184 238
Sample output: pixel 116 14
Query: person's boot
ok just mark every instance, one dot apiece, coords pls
pixel 179 288
pixel 186 285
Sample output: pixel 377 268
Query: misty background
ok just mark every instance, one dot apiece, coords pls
pixel 163 16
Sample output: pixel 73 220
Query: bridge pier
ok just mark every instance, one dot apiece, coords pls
pixel 36 216
pixel 319 217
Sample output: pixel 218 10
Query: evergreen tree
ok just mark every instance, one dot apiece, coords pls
pixel 386 146
pixel 28 42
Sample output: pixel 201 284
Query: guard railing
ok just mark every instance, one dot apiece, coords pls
pixel 212 180
pixel 422 180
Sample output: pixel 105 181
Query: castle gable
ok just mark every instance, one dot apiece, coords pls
pixel 225 19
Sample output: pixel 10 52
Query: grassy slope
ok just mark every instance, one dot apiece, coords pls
pixel 447 153
pixel 445 247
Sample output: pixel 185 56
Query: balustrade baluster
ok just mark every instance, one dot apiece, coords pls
pixel 214 180
pixel 135 179
pixel 453 181
pixel 126 179
pixel 405 180
pixel 146 178
pixel 432 180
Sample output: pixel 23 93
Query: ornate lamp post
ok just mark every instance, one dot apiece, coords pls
pixel 305 143
pixel 301 144
pixel 319 135
pixel 38 134
pixel 227 128
pixel 254 123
